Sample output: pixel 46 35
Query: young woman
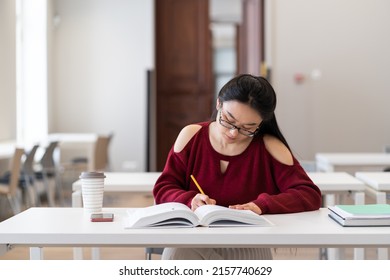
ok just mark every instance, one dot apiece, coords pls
pixel 241 160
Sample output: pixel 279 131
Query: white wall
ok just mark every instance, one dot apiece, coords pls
pixel 7 70
pixel 348 108
pixel 101 50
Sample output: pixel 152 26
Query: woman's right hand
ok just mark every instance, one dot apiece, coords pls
pixel 201 199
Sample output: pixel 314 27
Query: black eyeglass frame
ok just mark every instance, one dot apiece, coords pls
pixel 240 130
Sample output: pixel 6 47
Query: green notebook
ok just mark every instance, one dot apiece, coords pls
pixel 361 215
pixel 364 209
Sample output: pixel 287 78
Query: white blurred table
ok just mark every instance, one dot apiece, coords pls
pixel 134 182
pixel 334 184
pixel 378 184
pixel 143 182
pixel 75 145
pixel 330 162
pixel 7 149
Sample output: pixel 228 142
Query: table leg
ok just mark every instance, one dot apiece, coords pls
pixel 78 253
pixel 330 200
pixel 358 253
pixel 383 253
pixel 335 253
pixel 95 252
pixel 77 202
pixel 381 198
pixel 3 249
pixel 332 253
pixel 77 199
pixel 359 198
pixel 36 253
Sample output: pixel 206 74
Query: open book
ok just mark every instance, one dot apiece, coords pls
pixel 173 214
pixel 361 215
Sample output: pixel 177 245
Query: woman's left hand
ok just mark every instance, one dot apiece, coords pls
pixel 247 206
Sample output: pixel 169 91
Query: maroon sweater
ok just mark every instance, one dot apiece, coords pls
pixel 254 175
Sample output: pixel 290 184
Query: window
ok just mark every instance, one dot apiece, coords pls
pixel 31 71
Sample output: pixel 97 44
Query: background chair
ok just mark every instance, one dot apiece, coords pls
pixel 149 251
pixel 387 150
pixel 101 160
pixel 27 180
pixel 9 186
pixel 72 169
pixel 48 174
pixel 101 156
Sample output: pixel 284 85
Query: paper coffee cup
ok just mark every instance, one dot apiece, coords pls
pixel 92 190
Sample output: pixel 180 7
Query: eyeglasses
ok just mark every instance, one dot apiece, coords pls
pixel 240 130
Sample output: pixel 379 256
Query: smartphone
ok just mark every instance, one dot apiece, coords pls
pixel 102 217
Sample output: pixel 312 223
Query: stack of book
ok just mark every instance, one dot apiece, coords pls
pixel 361 215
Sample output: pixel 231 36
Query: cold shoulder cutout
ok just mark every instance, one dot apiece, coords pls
pixel 185 136
pixel 278 150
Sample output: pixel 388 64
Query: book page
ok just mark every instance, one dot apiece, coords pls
pixel 215 215
pixel 170 214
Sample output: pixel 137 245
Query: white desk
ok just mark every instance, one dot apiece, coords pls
pixel 331 184
pixel 41 227
pixel 330 162
pixel 338 183
pixel 7 149
pixel 377 186
pixel 134 182
pixel 73 137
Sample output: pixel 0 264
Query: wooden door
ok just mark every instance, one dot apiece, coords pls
pixel 184 85
pixel 250 39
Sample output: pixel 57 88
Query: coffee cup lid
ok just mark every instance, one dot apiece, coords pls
pixel 92 175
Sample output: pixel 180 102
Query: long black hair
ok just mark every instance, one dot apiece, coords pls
pixel 258 93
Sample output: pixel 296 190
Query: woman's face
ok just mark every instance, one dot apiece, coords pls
pixel 237 121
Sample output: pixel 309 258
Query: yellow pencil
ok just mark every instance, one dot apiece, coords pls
pixel 196 183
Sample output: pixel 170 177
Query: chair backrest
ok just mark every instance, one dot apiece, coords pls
pixel 101 153
pixel 15 168
pixel 47 160
pixel 28 165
